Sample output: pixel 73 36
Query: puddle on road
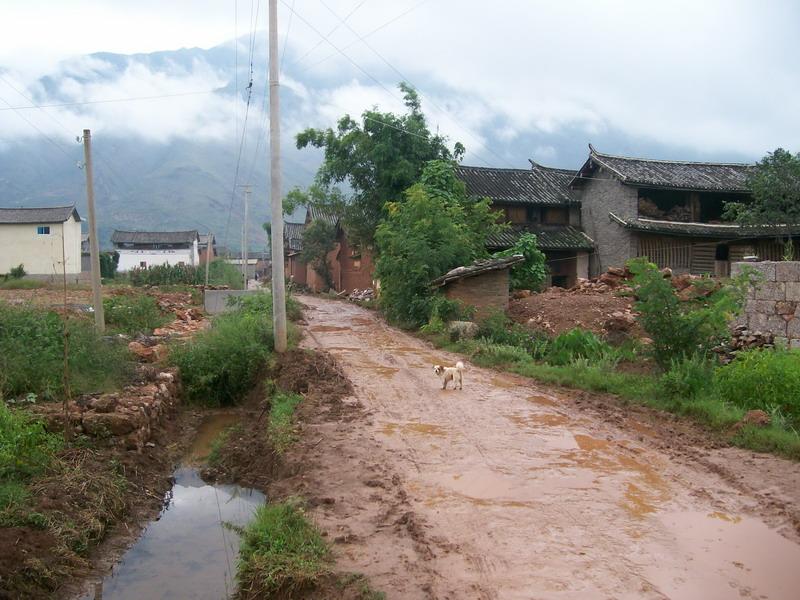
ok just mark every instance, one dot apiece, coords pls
pixel 544 400
pixel 417 428
pixel 721 558
pixel 187 552
pixel 538 420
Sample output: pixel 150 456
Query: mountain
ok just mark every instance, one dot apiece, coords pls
pixel 170 163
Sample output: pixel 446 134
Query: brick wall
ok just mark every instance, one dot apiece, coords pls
pixel 486 292
pixel 774 305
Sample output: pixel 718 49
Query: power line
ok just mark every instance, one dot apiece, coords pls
pixel 374 31
pixel 286 37
pixel 330 33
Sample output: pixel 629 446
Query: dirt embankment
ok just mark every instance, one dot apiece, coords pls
pixel 111 478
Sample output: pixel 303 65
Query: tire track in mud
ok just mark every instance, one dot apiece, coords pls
pixel 506 490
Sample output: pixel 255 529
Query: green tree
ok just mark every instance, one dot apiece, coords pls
pixel 775 187
pixel 683 327
pixel 436 228
pixel 530 274
pixel 319 238
pixel 378 159
pixel 108 264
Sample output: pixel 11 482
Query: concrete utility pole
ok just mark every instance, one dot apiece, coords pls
pixel 94 245
pixel 209 246
pixel 276 200
pixel 245 253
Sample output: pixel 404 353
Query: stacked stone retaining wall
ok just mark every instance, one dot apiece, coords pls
pixel 773 306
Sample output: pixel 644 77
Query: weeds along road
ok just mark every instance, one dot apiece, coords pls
pixel 506 491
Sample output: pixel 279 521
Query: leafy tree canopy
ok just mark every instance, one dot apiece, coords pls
pixel 378 159
pixel 436 228
pixel 775 185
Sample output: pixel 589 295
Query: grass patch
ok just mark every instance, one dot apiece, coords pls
pixel 31 355
pixel 22 284
pixel 281 420
pixel 281 554
pixel 133 314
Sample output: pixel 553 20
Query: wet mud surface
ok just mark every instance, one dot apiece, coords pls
pixel 512 490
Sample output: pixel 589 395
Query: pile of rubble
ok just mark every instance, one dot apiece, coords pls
pixel 124 419
pixel 614 279
pixel 743 339
pixel 361 295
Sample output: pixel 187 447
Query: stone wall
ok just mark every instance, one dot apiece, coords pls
pixel 773 307
pixel 614 244
pixel 486 292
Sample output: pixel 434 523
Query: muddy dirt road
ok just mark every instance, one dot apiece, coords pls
pixel 504 490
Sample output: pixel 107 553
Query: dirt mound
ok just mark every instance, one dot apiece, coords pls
pixel 557 310
pixel 311 372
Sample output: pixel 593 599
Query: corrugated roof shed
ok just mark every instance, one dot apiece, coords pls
pixel 538 185
pixel 684 175
pixel 719 231
pixel 50 214
pixel 549 237
pixel 154 237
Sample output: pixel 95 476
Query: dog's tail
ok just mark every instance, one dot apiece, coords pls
pixel 460 366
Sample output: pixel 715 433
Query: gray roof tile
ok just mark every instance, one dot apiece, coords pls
pixel 538 185
pixel 51 214
pixel 154 237
pixel 549 237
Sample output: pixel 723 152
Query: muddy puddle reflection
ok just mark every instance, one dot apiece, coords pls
pixel 190 551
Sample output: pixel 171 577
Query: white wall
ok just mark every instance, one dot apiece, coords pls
pixel 130 259
pixel 41 254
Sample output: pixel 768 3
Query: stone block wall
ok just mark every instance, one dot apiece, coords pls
pixel 773 306
pixel 486 292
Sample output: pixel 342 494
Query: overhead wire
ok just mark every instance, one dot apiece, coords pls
pixel 108 100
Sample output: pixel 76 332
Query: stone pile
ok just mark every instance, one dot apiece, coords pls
pixel 743 338
pixel 125 419
pixel 361 295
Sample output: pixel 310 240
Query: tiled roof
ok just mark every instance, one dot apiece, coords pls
pixel 538 185
pixel 315 214
pixel 293 235
pixel 549 237
pixel 477 268
pixel 154 237
pixel 52 214
pixel 700 176
pixel 205 238
pixel 718 231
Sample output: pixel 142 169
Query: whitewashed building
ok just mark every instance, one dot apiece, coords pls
pixel 142 249
pixel 42 240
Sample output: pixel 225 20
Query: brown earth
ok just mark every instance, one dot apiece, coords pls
pixel 557 310
pixel 509 489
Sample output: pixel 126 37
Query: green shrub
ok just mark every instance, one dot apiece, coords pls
pixel 25 447
pixel 499 329
pixel 530 274
pixel 261 304
pixel 32 355
pixel 490 354
pixel 219 273
pixel 17 272
pixel 578 344
pixel 281 552
pixel 683 327
pixel 109 261
pixel 281 420
pixel 220 365
pixel 763 379
pixel 134 314
pixel 687 378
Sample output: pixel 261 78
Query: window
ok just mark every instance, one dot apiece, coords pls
pixel 357 264
pixel 534 214
pixel 556 216
pixel 143 264
pixel 43 230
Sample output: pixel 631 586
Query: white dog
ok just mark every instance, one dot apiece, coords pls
pixel 451 374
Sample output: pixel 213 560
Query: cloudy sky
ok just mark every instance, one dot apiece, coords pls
pixel 511 79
